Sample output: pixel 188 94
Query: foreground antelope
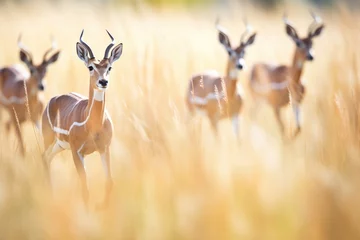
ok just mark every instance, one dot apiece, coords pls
pixel 20 92
pixel 81 124
pixel 214 95
pixel 281 85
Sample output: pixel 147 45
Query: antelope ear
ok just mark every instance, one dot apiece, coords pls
pixel 290 30
pixel 250 40
pixel 53 58
pixel 225 41
pixel 82 52
pixel 116 53
pixel 24 57
pixel 317 32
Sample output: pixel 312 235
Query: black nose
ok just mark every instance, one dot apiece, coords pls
pixel 103 82
pixel 240 66
pixel 41 87
pixel 310 57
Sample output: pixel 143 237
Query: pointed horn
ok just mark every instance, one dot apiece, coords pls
pixel 23 48
pixel 317 21
pixel 247 30
pixel 218 26
pixel 286 19
pixel 107 50
pixel 87 46
pixel 53 46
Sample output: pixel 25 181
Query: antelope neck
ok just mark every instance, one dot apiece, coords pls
pixel 231 78
pixel 31 86
pixel 297 66
pixel 95 110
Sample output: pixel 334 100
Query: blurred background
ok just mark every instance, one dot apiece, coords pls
pixel 260 3
pixel 172 179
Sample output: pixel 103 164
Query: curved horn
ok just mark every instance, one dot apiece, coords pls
pixel 53 46
pixel 317 20
pixel 247 30
pixel 23 48
pixel 285 18
pixel 87 46
pixel 110 45
pixel 218 26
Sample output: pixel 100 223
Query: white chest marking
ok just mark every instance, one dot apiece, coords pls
pixel 33 92
pixel 99 95
pixel 233 74
pixel 299 64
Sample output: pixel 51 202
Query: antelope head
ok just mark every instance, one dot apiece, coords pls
pixel 99 70
pixel 304 45
pixel 38 71
pixel 236 54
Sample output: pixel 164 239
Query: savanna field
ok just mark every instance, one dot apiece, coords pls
pixel 172 178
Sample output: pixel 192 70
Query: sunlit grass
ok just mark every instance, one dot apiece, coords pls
pixel 171 181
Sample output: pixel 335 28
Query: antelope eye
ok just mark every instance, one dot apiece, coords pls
pixel 110 69
pixel 91 68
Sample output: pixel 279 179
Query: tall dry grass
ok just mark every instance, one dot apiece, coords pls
pixel 170 182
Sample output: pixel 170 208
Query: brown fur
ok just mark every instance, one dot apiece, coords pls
pixel 15 82
pixel 224 102
pixel 225 106
pixel 288 77
pixel 81 124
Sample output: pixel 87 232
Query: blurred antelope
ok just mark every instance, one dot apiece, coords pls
pixel 215 95
pixel 20 92
pixel 82 124
pixel 281 85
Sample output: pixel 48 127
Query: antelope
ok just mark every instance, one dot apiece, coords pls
pixel 83 125
pixel 214 95
pixel 20 91
pixel 281 85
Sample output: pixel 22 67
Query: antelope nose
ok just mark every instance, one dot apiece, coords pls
pixel 240 64
pixel 41 87
pixel 103 82
pixel 310 57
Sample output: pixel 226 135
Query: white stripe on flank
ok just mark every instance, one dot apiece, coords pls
pixel 198 100
pixel 78 124
pixel 61 131
pixel 204 101
pixel 77 95
pixel 12 100
pixel 265 88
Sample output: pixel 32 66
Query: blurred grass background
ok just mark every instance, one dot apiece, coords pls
pixel 171 182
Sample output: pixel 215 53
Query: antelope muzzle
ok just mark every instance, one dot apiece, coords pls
pixel 41 87
pixel 103 83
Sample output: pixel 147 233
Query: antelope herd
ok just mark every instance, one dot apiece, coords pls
pixel 83 125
